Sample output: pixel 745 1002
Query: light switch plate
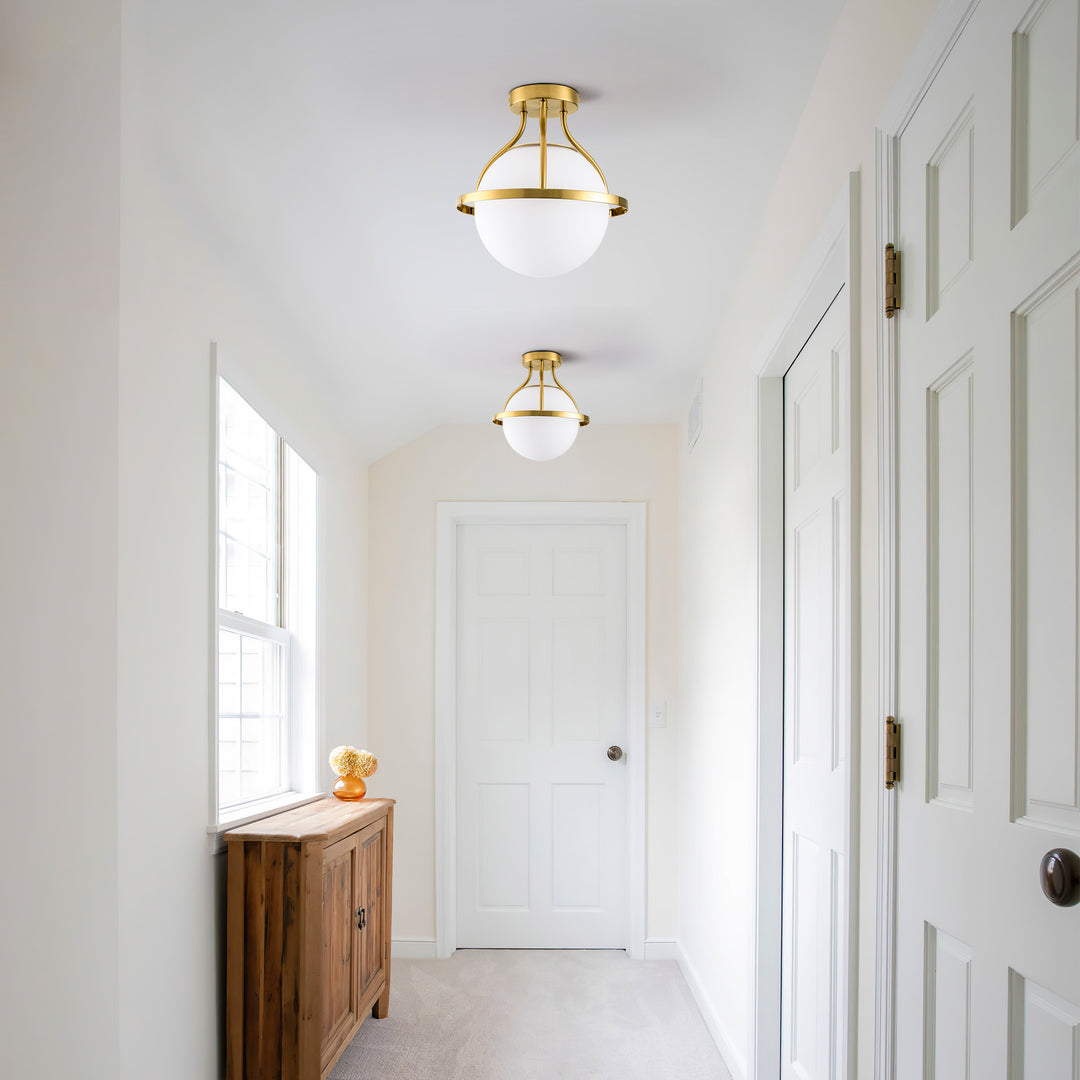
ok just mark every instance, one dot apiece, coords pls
pixel 658 714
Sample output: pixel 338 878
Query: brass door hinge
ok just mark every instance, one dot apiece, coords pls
pixel 892 280
pixel 892 751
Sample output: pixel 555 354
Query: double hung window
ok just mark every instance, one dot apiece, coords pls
pixel 267 701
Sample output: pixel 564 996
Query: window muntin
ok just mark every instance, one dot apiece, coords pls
pixel 249 511
pixel 253 715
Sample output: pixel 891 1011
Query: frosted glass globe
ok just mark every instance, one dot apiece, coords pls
pixel 540 438
pixel 541 237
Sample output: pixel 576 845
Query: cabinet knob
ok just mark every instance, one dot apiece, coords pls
pixel 361 916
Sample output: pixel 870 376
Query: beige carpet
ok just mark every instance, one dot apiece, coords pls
pixel 508 1015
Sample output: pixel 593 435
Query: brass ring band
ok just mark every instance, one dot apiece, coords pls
pixel 582 420
pixel 617 203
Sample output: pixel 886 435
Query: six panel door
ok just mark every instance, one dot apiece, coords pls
pixel 988 971
pixel 541 684
pixel 815 1006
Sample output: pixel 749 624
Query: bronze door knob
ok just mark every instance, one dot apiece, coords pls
pixel 614 752
pixel 1059 875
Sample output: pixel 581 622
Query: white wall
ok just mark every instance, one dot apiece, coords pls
pixel 59 273
pixel 473 463
pixel 868 49
pixel 178 294
pixel 112 289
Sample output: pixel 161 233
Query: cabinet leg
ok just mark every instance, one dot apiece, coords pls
pixel 381 1009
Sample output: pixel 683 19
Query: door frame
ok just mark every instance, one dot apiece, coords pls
pixel 831 263
pixel 450 516
pixel 937 41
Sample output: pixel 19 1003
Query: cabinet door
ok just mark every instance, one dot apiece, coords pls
pixel 340 960
pixel 372 860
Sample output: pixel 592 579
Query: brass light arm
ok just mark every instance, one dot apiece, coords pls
pixel 543 176
pixel 555 379
pixel 528 379
pixel 508 146
pixel 581 150
pixel 541 389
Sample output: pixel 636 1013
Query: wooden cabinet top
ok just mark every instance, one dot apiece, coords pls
pixel 327 820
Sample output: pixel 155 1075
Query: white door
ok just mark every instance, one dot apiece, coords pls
pixel 541 676
pixel 988 971
pixel 817 702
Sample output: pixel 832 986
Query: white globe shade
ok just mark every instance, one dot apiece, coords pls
pixel 541 237
pixel 540 438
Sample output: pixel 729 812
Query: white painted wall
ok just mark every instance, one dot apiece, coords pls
pixel 59 274
pixel 112 288
pixel 867 51
pixel 473 463
pixel 178 293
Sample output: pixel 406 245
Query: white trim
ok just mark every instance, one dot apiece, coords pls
pixel 449 516
pixel 212 612
pixel 735 1062
pixel 409 948
pixel 941 34
pixel 830 264
pixel 661 949
pixel 246 813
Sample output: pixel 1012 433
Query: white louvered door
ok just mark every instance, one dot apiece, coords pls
pixel 542 694
pixel 988 971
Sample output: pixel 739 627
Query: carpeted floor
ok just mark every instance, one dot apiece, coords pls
pixel 533 1015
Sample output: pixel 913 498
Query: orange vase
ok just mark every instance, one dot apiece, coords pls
pixel 350 788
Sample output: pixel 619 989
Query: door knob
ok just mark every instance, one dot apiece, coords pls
pixel 1059 875
pixel 614 752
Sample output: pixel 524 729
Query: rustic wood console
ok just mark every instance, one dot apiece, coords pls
pixel 308 936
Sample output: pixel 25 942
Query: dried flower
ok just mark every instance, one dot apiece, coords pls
pixel 348 761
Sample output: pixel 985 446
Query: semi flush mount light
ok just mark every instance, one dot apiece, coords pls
pixel 542 208
pixel 544 420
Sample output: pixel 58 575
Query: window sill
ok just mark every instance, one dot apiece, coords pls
pixel 256 811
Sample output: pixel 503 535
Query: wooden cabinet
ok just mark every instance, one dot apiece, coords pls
pixel 308 936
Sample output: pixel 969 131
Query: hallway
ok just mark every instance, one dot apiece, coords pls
pixel 535 1015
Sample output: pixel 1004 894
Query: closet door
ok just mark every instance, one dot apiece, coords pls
pixel 340 960
pixel 371 933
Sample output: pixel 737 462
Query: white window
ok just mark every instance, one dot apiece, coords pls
pixel 266 722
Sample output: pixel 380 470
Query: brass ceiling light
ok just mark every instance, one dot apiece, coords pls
pixel 542 208
pixel 544 420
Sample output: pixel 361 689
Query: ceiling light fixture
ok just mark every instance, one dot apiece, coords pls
pixel 544 207
pixel 544 421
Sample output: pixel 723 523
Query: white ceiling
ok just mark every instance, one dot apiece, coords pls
pixel 324 145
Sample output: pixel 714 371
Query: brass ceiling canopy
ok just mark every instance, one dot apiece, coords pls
pixel 525 177
pixel 533 95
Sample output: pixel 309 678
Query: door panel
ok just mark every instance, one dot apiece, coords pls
pixel 1045 479
pixel 372 853
pixel 339 953
pixel 541 682
pixel 817 694
pixel 988 972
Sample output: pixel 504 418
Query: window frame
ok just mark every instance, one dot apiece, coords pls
pixel 307 728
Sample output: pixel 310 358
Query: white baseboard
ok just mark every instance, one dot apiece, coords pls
pixel 735 1062
pixel 412 949
pixel 661 948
